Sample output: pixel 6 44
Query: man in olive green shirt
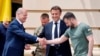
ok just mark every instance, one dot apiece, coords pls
pixel 80 35
pixel 44 20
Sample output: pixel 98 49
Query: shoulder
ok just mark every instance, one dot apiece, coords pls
pixel 14 22
pixel 39 28
pixel 62 23
pixel 13 25
pixel 49 24
pixel 84 25
pixel 68 30
pixel 0 25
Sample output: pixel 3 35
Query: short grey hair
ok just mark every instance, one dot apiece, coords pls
pixel 20 10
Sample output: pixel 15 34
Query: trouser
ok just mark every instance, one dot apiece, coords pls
pixel 53 51
pixel 40 51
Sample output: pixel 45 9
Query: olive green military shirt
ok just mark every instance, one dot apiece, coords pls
pixel 39 50
pixel 38 31
pixel 78 36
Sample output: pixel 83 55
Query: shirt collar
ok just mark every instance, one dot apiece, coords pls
pixel 58 22
pixel 19 21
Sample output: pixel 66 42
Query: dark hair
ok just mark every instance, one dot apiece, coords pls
pixel 56 8
pixel 69 15
pixel 44 15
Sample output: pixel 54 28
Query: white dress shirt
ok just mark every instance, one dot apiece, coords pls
pixel 19 21
pixel 53 29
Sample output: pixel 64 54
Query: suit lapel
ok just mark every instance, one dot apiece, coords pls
pixel 50 27
pixel 20 25
pixel 61 26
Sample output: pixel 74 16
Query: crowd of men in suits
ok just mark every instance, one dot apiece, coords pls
pixel 52 36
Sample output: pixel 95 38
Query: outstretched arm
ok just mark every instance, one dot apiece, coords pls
pixel 57 40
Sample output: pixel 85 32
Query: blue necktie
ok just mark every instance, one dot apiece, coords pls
pixel 23 27
pixel 56 31
pixel 56 35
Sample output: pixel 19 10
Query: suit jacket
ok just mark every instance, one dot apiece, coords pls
pixel 15 39
pixel 2 37
pixel 47 32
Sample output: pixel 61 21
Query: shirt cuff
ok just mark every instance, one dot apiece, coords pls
pixel 37 40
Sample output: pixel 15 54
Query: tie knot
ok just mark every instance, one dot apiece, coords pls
pixel 56 23
pixel 21 24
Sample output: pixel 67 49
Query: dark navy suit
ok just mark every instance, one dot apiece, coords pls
pixel 64 48
pixel 2 37
pixel 15 39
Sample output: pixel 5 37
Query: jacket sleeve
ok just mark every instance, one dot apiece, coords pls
pixel 42 34
pixel 19 32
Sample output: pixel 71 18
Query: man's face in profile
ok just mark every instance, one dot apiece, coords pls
pixel 23 16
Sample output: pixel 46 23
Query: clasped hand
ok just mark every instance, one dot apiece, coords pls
pixel 43 42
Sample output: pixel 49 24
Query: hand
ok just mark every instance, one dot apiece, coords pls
pixel 42 42
pixel 44 46
pixel 27 47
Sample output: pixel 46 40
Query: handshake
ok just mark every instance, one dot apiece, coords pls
pixel 42 42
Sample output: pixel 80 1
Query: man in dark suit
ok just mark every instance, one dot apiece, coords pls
pixel 3 28
pixel 16 37
pixel 55 29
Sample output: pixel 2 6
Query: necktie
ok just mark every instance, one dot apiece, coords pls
pixel 56 31
pixel 56 35
pixel 22 27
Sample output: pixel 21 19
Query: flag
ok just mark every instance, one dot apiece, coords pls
pixel 5 10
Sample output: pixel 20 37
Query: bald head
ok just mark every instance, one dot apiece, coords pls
pixel 20 10
pixel 21 14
